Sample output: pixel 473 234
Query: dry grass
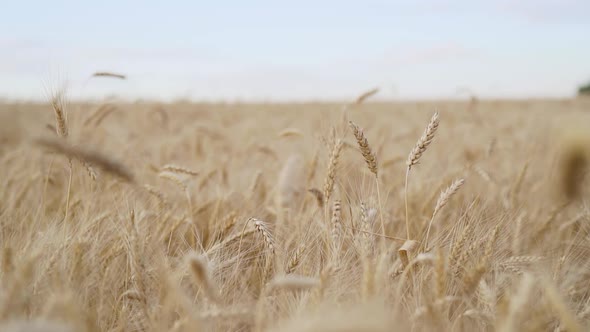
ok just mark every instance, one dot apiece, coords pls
pixel 227 221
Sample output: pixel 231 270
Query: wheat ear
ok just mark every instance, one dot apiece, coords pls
pixel 365 148
pixel 336 223
pixel 295 260
pixel 443 199
pixel 472 279
pixel 423 142
pixel 266 235
pixel 178 169
pixel 290 132
pixel 366 95
pixel 109 74
pixel 200 271
pixel 332 165
pixel 367 218
pixel 61 117
pixel 319 196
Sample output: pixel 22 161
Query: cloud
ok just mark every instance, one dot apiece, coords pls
pixel 420 55
pixel 440 53
pixel 535 11
pixel 547 11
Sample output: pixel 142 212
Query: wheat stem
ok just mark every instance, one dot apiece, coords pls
pixel 408 236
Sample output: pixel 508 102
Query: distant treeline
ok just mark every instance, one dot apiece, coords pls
pixel 584 89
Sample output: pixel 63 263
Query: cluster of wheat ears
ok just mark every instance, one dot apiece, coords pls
pixel 181 217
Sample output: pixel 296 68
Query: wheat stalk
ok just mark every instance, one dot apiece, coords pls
pixel 414 157
pixel 517 233
pixel 559 306
pixel 518 183
pixel 103 115
pixel 105 108
pixel 231 239
pixel 368 279
pixel 371 161
pixel 7 261
pixel 290 182
pixel 58 102
pixel 313 167
pixel 440 273
pixel 200 272
pixel 292 282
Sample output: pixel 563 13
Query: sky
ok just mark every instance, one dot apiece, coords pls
pixel 302 50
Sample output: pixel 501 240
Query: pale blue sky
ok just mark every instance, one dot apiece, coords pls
pixel 298 50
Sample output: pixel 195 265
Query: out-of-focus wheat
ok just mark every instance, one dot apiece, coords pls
pixel 506 252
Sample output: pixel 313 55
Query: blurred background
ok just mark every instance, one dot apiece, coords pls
pixel 299 51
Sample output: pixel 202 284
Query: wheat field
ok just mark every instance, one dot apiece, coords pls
pixel 422 216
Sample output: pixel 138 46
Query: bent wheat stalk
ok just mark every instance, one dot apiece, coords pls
pixel 106 164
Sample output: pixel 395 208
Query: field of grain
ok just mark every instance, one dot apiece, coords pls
pixel 295 217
